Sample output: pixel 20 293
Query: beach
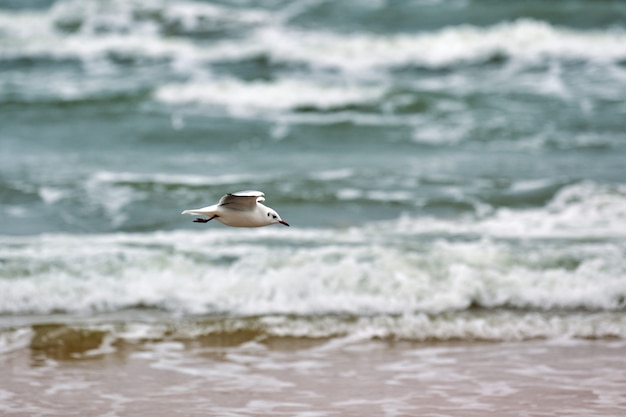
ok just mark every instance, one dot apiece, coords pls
pixel 304 377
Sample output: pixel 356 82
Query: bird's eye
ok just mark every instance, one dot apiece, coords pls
pixel 274 216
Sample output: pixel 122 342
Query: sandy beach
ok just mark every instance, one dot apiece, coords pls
pixel 306 378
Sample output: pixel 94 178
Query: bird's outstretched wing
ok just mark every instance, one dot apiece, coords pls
pixel 242 200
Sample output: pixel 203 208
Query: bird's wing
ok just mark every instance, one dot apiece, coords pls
pixel 242 200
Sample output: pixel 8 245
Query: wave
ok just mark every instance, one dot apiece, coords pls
pixel 541 207
pixel 181 18
pixel 527 41
pixel 442 115
pixel 192 180
pixel 583 210
pixel 551 209
pixel 563 257
pixel 179 31
pixel 249 61
pixel 152 180
pixel 67 337
pixel 241 98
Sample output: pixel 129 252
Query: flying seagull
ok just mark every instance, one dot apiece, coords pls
pixel 240 209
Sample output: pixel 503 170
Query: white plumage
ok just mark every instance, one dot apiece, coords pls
pixel 240 209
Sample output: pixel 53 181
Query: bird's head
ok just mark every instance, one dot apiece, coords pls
pixel 273 217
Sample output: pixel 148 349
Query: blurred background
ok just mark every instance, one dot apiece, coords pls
pixel 431 156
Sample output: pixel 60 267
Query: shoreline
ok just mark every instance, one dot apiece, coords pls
pixel 296 377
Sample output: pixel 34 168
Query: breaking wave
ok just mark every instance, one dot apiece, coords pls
pixel 510 259
pixel 82 338
pixel 181 30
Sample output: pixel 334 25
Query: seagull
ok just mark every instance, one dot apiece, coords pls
pixel 240 209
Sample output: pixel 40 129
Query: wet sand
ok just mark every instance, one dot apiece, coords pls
pixel 306 378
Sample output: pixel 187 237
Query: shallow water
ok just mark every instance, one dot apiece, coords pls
pixel 305 377
pixel 452 172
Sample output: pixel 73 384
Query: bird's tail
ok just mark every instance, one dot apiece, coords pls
pixel 195 212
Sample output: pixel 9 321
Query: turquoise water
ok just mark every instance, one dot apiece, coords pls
pixel 437 160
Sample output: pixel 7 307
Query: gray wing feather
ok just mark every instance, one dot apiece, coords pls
pixel 242 200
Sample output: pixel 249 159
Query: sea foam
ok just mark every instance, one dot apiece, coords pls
pixel 503 261
pixel 582 210
pixel 241 97
pixel 89 29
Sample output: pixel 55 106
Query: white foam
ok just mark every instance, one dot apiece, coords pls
pixel 525 40
pixel 242 98
pixel 106 347
pixel 131 29
pixel 374 195
pixel 52 195
pixel 344 332
pixel 23 25
pixel 584 209
pixel 15 339
pixel 333 174
pixel 112 200
pixel 35 34
pixel 565 255
pixel 121 177
pixel 193 272
pixel 581 210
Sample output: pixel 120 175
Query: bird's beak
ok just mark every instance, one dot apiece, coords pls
pixel 283 222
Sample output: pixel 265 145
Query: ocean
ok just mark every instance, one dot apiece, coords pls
pixel 453 172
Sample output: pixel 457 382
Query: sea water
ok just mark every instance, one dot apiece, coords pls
pixel 453 173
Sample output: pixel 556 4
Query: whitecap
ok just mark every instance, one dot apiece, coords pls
pixel 245 98
pixel 371 270
pixel 581 210
pixel 524 40
pixel 52 195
